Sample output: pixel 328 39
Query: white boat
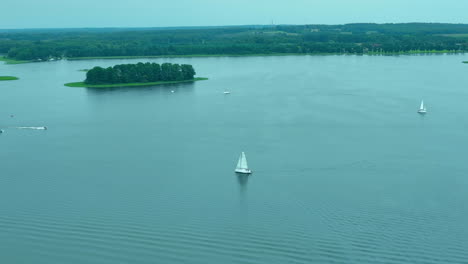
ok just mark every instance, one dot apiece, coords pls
pixel 227 92
pixel 242 166
pixel 422 108
pixel 37 128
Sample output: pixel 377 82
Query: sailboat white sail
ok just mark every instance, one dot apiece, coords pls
pixel 422 109
pixel 242 166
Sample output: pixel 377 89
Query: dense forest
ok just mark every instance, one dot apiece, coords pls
pixel 42 44
pixel 140 73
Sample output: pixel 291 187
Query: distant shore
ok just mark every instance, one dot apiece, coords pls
pixel 12 61
pixel 465 62
pixel 370 53
pixel 82 84
pixel 8 78
pixel 415 52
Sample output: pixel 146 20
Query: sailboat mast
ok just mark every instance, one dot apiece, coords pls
pixel 244 161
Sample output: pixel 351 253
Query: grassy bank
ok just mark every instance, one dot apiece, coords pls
pixel 416 52
pixel 8 78
pixel 184 56
pixel 370 53
pixel 12 61
pixel 82 84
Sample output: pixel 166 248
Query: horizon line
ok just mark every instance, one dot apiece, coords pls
pixel 223 26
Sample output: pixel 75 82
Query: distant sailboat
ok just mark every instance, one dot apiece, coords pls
pixel 242 166
pixel 422 109
pixel 227 92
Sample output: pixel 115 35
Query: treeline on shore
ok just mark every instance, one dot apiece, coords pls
pixel 40 45
pixel 140 73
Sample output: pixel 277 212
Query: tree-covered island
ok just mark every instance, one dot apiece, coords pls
pixel 140 74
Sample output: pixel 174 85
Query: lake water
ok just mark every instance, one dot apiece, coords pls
pixel 345 170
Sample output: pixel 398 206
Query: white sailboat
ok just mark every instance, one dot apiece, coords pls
pixel 242 166
pixel 422 108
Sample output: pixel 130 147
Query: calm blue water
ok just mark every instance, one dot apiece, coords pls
pixel 345 170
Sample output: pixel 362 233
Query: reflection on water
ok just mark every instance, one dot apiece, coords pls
pixel 243 180
pixel 166 88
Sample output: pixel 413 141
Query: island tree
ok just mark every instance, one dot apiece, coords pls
pixel 140 73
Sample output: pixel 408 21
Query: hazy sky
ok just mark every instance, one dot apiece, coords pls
pixel 162 13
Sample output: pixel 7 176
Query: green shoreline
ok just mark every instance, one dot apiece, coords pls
pixel 82 84
pixel 195 56
pixel 267 54
pixel 414 52
pixel 465 62
pixel 13 61
pixel 8 78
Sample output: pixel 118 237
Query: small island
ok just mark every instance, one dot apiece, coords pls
pixel 140 74
pixel 8 78
pixel 465 62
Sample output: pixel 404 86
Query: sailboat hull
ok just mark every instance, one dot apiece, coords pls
pixel 243 171
pixel 422 111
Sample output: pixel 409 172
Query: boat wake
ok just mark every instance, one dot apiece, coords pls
pixel 37 128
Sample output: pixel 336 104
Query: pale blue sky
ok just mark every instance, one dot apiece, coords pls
pixel 158 13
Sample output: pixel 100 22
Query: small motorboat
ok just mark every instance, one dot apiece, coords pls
pixel 36 128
